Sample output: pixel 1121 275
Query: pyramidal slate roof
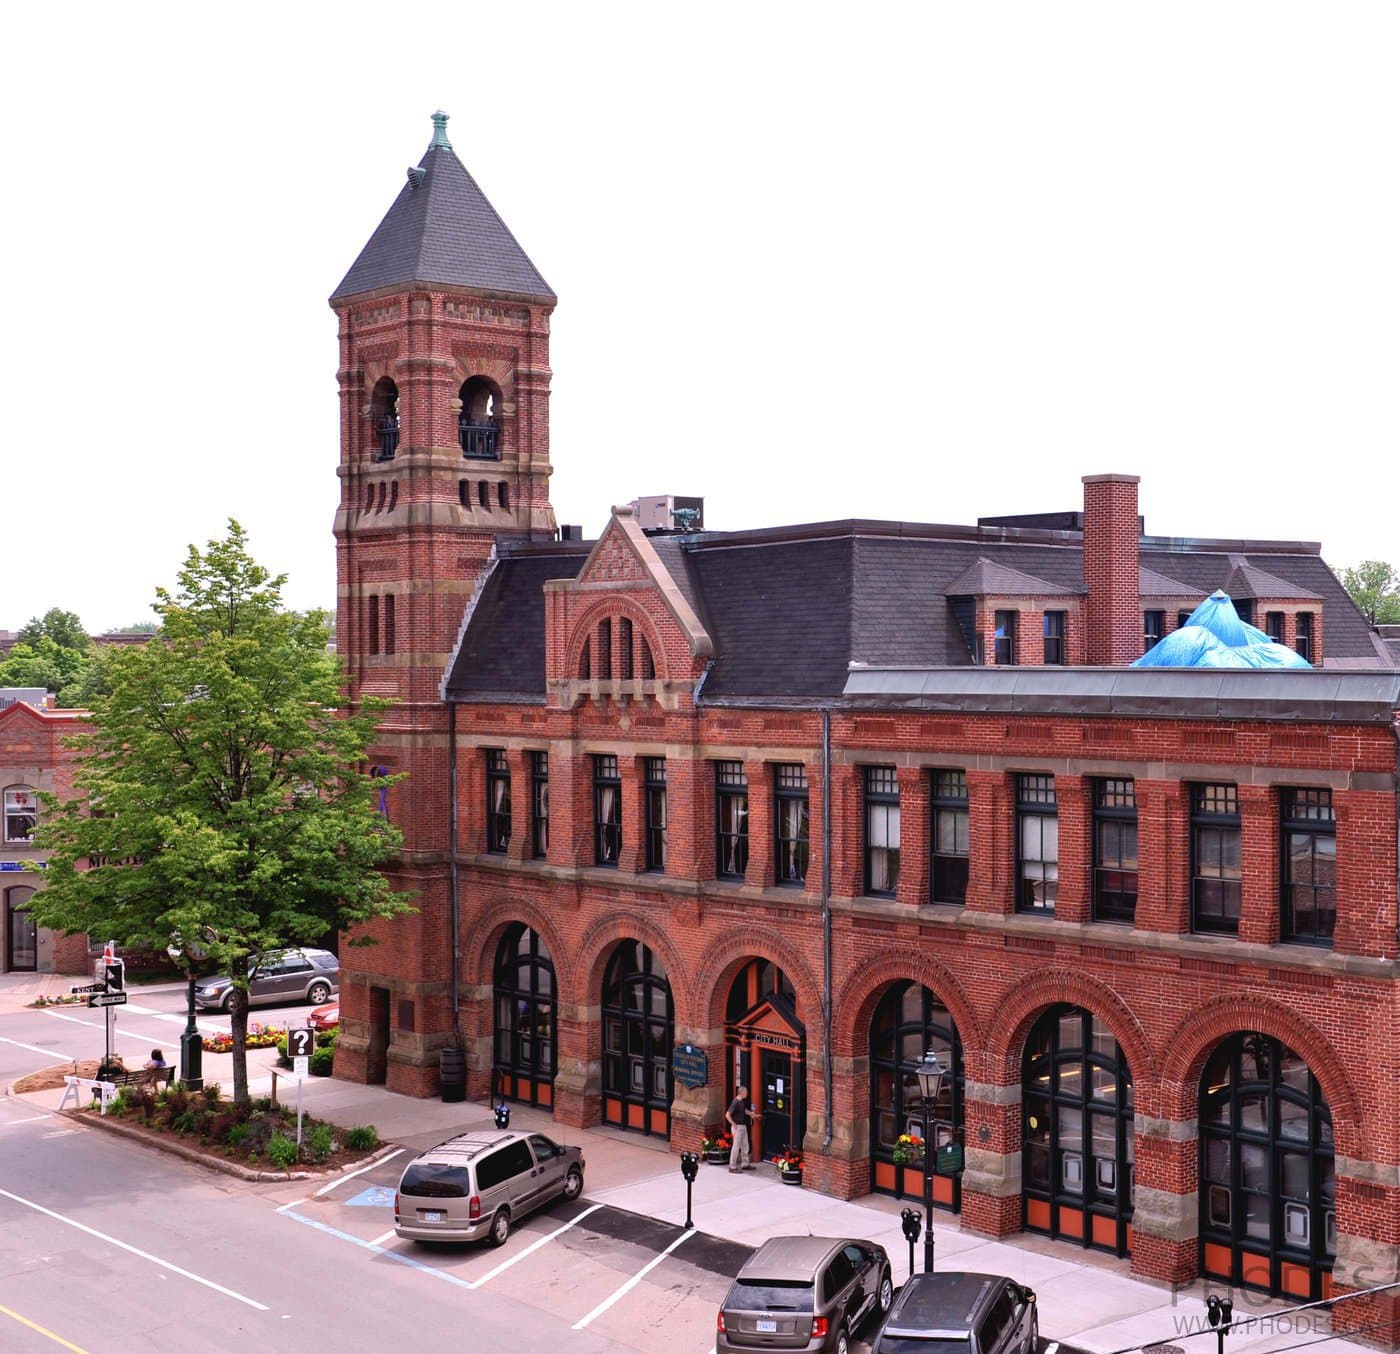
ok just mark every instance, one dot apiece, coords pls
pixel 1247 581
pixel 441 229
pixel 986 578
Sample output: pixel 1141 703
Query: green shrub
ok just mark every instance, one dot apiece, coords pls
pixel 262 1104
pixel 281 1046
pixel 237 1134
pixel 326 1038
pixel 363 1139
pixel 322 1061
pixel 213 1093
pixel 319 1142
pixel 186 1122
pixel 121 1102
pixel 281 1151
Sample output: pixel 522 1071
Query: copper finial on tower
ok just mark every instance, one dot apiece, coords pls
pixel 440 140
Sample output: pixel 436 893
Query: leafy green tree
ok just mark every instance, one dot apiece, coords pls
pixel 40 661
pixel 136 628
pixel 63 627
pixel 89 682
pixel 219 789
pixel 1375 588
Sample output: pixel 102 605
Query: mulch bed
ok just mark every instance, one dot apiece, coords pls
pixel 51 1078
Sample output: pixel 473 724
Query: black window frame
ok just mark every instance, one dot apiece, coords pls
pixel 1037 801
pixel 881 804
pixel 605 663
pixel 1154 628
pixel 948 870
pixel 1183 617
pixel 1307 814
pixel 1004 639
pixel 525 1025
pixel 639 1030
pixel 626 662
pixel 607 826
pixel 497 802
pixel 654 797
pixel 1304 635
pixel 1209 823
pixel 1273 626
pixel 1244 609
pixel 1115 883
pixel 539 805
pixel 792 824
pixel 731 820
pixel 1053 626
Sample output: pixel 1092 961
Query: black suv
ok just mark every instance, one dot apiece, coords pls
pixel 952 1313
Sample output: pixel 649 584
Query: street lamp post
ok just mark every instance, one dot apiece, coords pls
pixel 191 1044
pixel 930 1073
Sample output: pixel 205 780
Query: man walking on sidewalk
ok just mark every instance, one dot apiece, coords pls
pixel 739 1116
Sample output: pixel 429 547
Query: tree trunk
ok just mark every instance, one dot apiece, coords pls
pixel 238 1021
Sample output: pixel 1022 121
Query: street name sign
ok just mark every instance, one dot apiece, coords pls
pixel 91 987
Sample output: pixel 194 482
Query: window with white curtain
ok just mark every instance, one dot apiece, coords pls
pixel 497 801
pixel 607 810
pixel 881 829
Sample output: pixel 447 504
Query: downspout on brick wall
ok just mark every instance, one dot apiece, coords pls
pixel 1113 623
pixel 452 861
pixel 826 926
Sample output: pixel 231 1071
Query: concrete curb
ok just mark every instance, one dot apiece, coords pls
pixel 199 1158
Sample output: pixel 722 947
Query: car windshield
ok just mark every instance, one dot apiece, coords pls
pixel 325 961
pixel 433 1181
pixel 918 1344
pixel 770 1295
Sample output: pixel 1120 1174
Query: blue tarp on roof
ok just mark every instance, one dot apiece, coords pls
pixel 1214 636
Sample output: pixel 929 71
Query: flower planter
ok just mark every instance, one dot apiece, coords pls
pixel 717 1156
pixel 791 1177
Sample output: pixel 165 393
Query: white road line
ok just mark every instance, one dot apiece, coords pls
pixel 34 1048
pixel 532 1247
pixel 395 1256
pixel 341 1179
pixel 1052 1347
pixel 380 1240
pixel 630 1284
pixel 33 1119
pixel 134 1250
pixel 97 1025
pixel 293 1204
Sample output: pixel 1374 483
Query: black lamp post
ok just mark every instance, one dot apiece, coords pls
pixel 930 1073
pixel 191 1045
pixel 690 1168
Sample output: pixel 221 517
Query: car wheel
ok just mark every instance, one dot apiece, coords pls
pixel 318 994
pixel 227 1007
pixel 843 1343
pixel 886 1298
pixel 573 1183
pixel 500 1227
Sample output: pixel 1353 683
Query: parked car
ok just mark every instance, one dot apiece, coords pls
pixel 325 1017
pixel 984 1313
pixel 481 1184
pixel 279 977
pixel 806 1293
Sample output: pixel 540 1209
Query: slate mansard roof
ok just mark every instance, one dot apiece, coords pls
pixel 790 608
pixel 442 230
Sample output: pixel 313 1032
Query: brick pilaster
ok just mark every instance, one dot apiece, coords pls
pixel 760 872
pixel 990 844
pixel 1073 798
pixel 1259 861
pixel 915 826
pixel 633 856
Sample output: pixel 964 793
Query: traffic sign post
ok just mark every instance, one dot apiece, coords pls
pixel 106 999
pixel 300 1045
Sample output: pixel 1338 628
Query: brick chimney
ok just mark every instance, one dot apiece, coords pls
pixel 1113 625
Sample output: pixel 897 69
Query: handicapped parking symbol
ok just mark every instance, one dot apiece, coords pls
pixel 376 1197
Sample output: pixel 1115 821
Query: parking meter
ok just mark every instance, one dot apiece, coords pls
pixel 1219 1312
pixel 690 1168
pixel 503 1115
pixel 909 1222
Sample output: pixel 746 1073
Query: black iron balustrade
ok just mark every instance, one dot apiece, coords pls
pixel 478 440
pixel 388 430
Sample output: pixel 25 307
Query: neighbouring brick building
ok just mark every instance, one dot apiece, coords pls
pixel 814 799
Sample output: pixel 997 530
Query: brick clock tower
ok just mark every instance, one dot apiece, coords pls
pixel 444 447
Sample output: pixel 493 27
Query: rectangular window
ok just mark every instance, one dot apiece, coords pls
pixel 1182 617
pixel 1054 638
pixel 1215 859
pixel 881 830
pixel 654 787
pixel 732 820
pixel 21 814
pixel 1004 652
pixel 372 623
pixel 389 625
pixel 1244 609
pixel 950 836
pixel 539 805
pixel 1037 845
pixel 605 650
pixel 1309 829
pixel 624 648
pixel 1303 642
pixel 607 810
pixel 1153 625
pixel 1273 626
pixel 793 825
pixel 1115 851
pixel 497 801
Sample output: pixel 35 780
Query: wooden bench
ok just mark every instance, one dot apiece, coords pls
pixel 144 1076
pixel 105 1089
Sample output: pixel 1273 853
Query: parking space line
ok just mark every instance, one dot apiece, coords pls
pixel 341 1179
pixel 34 1048
pixel 533 1247
pixel 42 1330
pixel 630 1284
pixel 134 1250
pixel 379 1250
pixel 383 1237
pixel 32 1119
pixel 97 1025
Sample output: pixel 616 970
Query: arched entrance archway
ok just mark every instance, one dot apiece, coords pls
pixel 766 1047
pixel 909 1022
pixel 525 1020
pixel 1077 1132
pixel 1268 1181
pixel 638 1033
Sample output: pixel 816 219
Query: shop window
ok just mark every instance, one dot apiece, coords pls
pixel 1309 875
pixel 950 837
pixel 638 1033
pixel 1037 845
pixel 881 830
pixel 21 814
pixel 1115 850
pixel 525 1033
pixel 497 801
pixel 1215 859
pixel 793 822
pixel 731 820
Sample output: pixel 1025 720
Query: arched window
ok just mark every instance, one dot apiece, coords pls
pixel 384 415
pixel 585 660
pixel 648 662
pixel 525 1023
pixel 478 426
pixel 909 1022
pixel 638 1031
pixel 1077 1103
pixel 1268 1175
pixel 21 814
pixel 390 623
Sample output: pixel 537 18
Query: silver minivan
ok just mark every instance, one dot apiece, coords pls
pixel 482 1183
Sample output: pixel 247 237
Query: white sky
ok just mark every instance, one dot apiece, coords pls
pixel 923 262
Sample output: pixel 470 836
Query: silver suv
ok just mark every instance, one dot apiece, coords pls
pixel 974 1313
pixel 481 1184
pixel 804 1293
pixel 279 977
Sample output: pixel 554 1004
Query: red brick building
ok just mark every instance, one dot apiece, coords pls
pixel 803 803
